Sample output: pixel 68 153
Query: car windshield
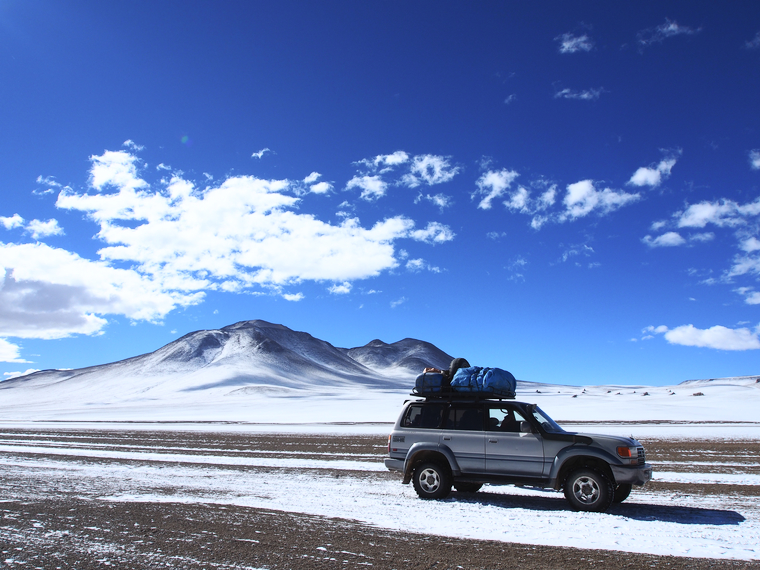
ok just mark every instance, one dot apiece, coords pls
pixel 546 422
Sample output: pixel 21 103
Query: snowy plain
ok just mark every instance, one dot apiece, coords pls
pixel 673 522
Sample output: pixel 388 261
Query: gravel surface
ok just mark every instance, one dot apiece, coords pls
pixel 54 519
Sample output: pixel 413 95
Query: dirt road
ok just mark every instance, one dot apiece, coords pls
pixel 90 499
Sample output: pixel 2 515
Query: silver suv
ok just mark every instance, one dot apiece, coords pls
pixel 466 442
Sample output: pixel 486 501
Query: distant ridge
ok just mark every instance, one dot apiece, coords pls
pixel 244 354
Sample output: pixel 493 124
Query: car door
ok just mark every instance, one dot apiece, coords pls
pixel 463 433
pixel 509 450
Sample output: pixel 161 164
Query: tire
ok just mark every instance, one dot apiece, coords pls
pixel 588 490
pixel 431 480
pixel 468 487
pixel 455 365
pixel 621 492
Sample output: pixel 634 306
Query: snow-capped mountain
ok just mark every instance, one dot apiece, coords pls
pixel 243 355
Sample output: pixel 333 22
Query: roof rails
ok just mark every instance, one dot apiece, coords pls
pixel 468 396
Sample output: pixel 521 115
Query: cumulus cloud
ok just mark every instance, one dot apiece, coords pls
pixel 372 187
pixel 582 198
pixel 570 43
pixel 720 213
pixel 39 229
pixel 754 43
pixel 717 337
pixel 295 297
pixel 14 221
pixel 673 239
pixel 417 265
pixel 584 95
pixel 341 288
pixel 440 200
pixel 429 169
pixel 10 352
pixel 166 244
pixel 660 33
pixel 260 153
pixel 385 162
pixel 493 184
pixel 11 375
pixel 670 239
pixel 652 175
pixel 754 159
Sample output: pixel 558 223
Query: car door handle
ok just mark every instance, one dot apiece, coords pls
pixel 493 441
pixel 446 438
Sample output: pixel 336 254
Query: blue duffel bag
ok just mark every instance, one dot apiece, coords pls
pixel 488 381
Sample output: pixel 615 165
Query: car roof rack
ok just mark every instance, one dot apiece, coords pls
pixel 450 396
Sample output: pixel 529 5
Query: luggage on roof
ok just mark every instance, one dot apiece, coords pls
pixel 473 381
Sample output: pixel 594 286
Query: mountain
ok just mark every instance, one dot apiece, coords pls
pixel 246 357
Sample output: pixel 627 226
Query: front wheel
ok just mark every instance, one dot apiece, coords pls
pixel 588 490
pixel 431 481
pixel 621 492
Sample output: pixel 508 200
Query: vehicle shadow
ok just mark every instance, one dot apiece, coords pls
pixel 554 501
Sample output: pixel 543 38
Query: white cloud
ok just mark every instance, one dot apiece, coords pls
pixel 582 198
pixel 440 200
pixel 311 178
pixel 260 153
pixel 585 95
pixel 164 245
pixel 293 297
pixel 10 375
pixel 417 265
pixel 385 162
pixel 321 187
pixel 131 145
pixel 510 99
pixel 658 34
pixel 116 169
pixel 717 337
pixel 398 302
pixel 340 289
pixel 429 169
pixel 721 213
pixel 670 239
pixel 751 297
pixel 163 166
pixel 48 293
pixel 754 42
pixel 48 181
pixel 569 43
pixel 434 232
pixel 750 244
pixel 754 159
pixel 372 187
pixel 492 185
pixel 653 175
pixel 14 221
pixel 10 352
pixel 39 229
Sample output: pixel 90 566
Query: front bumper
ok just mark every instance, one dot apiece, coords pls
pixel 637 475
pixel 394 464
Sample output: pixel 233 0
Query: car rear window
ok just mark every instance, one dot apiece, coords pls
pixel 424 416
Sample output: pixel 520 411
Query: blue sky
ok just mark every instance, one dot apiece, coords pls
pixel 568 190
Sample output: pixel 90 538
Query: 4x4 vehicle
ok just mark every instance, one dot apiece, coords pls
pixel 466 442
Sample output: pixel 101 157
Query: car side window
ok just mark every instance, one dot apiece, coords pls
pixel 465 418
pixel 424 416
pixel 504 419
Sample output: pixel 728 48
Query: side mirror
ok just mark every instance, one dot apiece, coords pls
pixel 525 427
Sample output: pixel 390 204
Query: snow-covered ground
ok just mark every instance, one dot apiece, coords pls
pixel 713 525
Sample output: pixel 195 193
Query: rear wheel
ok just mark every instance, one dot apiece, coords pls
pixel 621 492
pixel 588 490
pixel 468 487
pixel 431 480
